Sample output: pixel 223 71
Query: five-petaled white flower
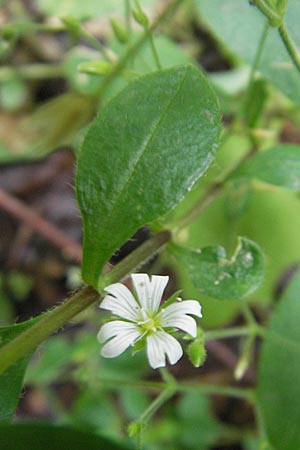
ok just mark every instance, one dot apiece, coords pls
pixel 144 319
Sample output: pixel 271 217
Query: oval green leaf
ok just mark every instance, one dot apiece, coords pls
pixel 279 372
pixel 214 274
pixel 278 165
pixel 141 155
pixel 43 436
pixel 11 380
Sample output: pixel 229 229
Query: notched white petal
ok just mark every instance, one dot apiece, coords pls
pixel 183 322
pixel 155 353
pixel 185 307
pixel 119 343
pixel 158 285
pixel 115 328
pixel 121 302
pixel 160 345
pixel 141 284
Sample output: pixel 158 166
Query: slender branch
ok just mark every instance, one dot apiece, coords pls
pixel 245 358
pixel 274 18
pixel 155 405
pixel 228 333
pixel 137 427
pixel 27 215
pixel 33 336
pixel 189 386
pixel 256 62
pixel 138 257
pixel 120 64
pixel 290 45
pixel 128 16
pixel 32 71
pixel 277 20
pixel 155 52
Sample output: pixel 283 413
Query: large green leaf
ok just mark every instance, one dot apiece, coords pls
pixel 279 166
pixel 216 275
pixel 238 26
pixel 279 372
pixel 141 155
pixel 11 380
pixel 45 436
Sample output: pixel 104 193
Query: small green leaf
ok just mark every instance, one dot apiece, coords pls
pixel 12 379
pixel 43 436
pixel 278 165
pixel 223 278
pixel 141 155
pixel 279 372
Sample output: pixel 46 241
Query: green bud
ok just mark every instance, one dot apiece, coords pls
pixel 196 352
pixel 119 30
pixel 134 428
pixel 94 67
pixel 140 17
pixel 72 25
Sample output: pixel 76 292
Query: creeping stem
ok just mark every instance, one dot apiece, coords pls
pixel 56 318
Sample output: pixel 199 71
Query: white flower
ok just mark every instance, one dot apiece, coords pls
pixel 143 319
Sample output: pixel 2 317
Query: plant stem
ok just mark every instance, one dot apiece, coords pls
pixel 155 405
pixel 128 16
pixel 274 18
pixel 248 314
pixel 95 43
pixel 120 64
pixel 32 71
pixel 245 358
pixel 137 427
pixel 154 52
pixel 277 20
pixel 290 45
pixel 135 259
pixel 228 333
pixel 256 61
pixel 33 336
pixel 203 388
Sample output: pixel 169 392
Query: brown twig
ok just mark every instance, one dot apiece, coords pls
pixel 27 215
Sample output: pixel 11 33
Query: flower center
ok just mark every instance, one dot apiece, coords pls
pixel 149 324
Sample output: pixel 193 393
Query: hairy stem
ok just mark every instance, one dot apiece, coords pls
pixel 33 336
